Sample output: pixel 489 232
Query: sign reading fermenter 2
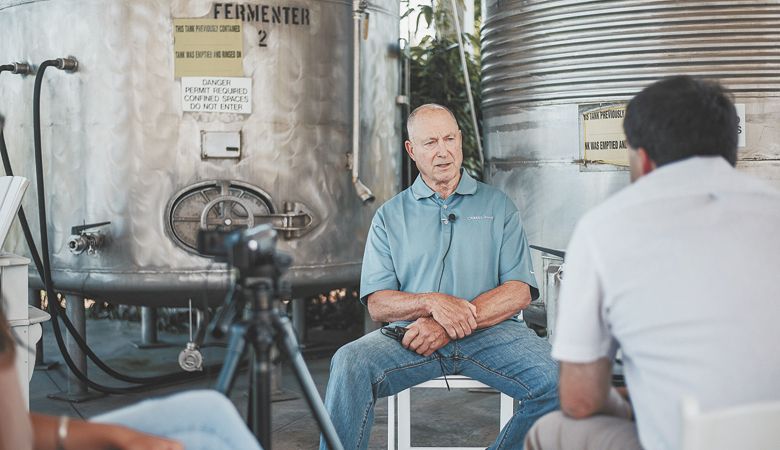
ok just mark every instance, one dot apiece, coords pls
pixel 601 129
pixel 216 94
pixel 265 15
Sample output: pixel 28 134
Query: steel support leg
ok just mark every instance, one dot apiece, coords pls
pixel 149 329
pixel 299 319
pixel 77 389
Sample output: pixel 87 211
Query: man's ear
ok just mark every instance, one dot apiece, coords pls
pixel 646 164
pixel 409 149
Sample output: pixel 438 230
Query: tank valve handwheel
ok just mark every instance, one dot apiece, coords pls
pixel 227 213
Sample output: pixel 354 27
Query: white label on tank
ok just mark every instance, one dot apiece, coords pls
pixel 216 94
pixel 741 125
pixel 603 139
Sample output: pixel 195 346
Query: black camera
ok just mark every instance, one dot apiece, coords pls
pixel 248 250
pixel 394 332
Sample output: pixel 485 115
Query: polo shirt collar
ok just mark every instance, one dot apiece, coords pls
pixel 466 186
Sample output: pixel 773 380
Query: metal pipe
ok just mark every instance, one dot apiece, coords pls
pixel 299 318
pixel 21 68
pixel 553 276
pixel 406 89
pixel 358 13
pixel 74 308
pixel 468 83
pixel 148 325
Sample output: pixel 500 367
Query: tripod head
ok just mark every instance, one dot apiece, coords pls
pixel 252 252
pixel 249 250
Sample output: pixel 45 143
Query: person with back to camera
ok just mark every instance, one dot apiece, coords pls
pixel 193 420
pixel 448 260
pixel 679 271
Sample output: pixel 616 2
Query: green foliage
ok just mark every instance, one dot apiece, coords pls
pixel 437 77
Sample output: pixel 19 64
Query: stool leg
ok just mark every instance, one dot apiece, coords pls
pixel 507 410
pixel 34 299
pixel 404 420
pixel 391 422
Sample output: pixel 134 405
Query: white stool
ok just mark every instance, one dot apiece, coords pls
pixel 23 319
pixel 27 332
pixel 405 406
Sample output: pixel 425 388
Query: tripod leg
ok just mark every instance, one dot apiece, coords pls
pixel 236 347
pixel 260 393
pixel 288 345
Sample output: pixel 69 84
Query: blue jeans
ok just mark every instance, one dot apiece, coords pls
pixel 201 420
pixel 508 356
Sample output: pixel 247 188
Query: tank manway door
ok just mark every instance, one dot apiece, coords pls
pixel 230 205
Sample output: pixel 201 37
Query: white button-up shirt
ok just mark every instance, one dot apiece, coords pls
pixel 680 270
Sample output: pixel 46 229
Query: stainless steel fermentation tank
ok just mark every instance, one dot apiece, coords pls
pixel 118 146
pixel 546 63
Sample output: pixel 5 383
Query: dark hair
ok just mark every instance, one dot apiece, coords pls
pixel 679 117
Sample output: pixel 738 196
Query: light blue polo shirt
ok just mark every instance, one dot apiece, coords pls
pixel 414 247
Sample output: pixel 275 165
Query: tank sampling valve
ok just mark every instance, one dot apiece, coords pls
pixel 190 359
pixel 82 240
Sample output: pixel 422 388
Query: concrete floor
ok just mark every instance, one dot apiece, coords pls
pixel 456 418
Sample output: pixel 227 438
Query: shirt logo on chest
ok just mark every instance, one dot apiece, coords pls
pixel 479 218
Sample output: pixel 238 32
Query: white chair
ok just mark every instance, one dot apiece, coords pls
pixel 755 426
pixel 405 406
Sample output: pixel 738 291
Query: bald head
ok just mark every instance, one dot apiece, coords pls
pixel 435 145
pixel 428 107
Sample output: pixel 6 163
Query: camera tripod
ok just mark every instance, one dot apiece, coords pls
pixel 262 326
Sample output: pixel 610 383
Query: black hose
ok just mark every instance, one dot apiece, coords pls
pixel 39 179
pixel 55 309
pixel 41 272
pixel 22 216
pixel 38 265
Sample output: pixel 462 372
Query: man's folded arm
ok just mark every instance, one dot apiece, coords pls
pixel 501 303
pixel 390 306
pixel 517 283
pixel 456 315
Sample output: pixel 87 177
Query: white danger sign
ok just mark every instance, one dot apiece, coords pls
pixel 216 94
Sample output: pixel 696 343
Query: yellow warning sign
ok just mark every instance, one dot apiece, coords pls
pixel 208 48
pixel 603 139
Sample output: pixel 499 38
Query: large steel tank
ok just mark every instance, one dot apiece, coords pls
pixel 120 145
pixel 550 66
